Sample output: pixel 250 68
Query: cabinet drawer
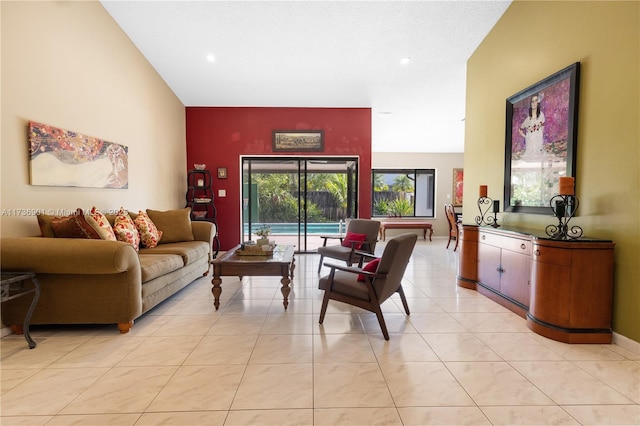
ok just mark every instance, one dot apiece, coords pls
pixel 554 256
pixel 518 245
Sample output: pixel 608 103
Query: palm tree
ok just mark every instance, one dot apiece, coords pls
pixel 378 183
pixel 337 187
pixel 403 184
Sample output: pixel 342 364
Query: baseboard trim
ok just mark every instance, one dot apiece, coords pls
pixel 626 343
pixel 5 331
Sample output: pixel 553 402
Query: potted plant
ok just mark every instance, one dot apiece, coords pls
pixel 263 233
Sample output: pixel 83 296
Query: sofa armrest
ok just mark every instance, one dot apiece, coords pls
pixel 203 231
pixel 67 255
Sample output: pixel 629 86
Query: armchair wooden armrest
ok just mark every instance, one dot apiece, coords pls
pixel 354 270
pixel 331 237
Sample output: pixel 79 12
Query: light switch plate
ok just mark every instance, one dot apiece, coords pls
pixel 222 192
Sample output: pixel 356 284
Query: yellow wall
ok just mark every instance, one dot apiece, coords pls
pixel 68 64
pixel 531 41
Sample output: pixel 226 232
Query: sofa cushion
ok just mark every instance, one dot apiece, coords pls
pixel 100 223
pixel 126 230
pixel 174 224
pixel 190 251
pixel 149 233
pixel 157 265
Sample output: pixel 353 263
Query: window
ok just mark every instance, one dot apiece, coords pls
pixel 403 192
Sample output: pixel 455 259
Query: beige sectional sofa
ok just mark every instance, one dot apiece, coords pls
pixel 93 281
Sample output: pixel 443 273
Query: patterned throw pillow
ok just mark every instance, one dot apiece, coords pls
pixel 100 223
pixel 126 230
pixel 45 222
pixel 149 234
pixel 369 267
pixel 73 226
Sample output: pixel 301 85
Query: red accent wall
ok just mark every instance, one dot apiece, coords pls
pixel 218 136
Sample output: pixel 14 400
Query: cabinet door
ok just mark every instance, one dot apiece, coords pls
pixel 516 277
pixel 550 293
pixel 489 266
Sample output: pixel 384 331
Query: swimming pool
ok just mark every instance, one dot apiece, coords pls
pixel 292 228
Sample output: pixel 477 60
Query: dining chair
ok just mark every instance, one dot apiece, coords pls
pixel 453 225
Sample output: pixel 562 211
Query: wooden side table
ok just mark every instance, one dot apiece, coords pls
pixel 12 285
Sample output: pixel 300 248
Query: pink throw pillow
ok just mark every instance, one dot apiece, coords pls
pixel 369 267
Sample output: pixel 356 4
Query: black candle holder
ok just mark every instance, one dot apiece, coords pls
pixel 564 208
pixel 485 218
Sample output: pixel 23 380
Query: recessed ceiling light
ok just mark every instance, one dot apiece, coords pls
pixel 405 60
pixel 211 58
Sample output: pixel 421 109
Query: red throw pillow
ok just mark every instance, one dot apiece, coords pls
pixel 352 236
pixel 73 226
pixel 369 267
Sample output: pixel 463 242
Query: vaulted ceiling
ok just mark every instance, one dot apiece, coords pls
pixel 321 54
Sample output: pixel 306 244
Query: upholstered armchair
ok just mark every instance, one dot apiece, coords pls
pixel 361 236
pixel 370 286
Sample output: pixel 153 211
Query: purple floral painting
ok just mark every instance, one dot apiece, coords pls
pixel 61 157
pixel 554 104
pixel 540 144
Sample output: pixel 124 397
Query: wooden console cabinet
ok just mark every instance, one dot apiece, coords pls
pixel 563 288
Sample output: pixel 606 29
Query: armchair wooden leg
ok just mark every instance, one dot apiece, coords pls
pixel 323 310
pixel 320 263
pixel 404 300
pixel 383 325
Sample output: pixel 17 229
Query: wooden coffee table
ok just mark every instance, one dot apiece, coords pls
pixel 280 264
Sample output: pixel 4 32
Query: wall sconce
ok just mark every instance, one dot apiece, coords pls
pixel 484 204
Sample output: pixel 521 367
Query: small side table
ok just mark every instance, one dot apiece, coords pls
pixel 13 286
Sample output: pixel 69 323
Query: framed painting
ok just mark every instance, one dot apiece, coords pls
pixel 456 191
pixel 540 142
pixel 60 157
pixel 298 140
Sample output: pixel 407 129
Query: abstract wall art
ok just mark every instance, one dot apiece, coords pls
pixel 59 157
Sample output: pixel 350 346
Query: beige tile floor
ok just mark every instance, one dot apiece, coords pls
pixel 458 359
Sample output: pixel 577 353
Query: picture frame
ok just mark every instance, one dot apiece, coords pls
pixel 298 140
pixel 540 143
pixel 456 190
pixel 222 172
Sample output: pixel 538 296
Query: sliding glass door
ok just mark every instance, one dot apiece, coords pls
pixel 298 198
